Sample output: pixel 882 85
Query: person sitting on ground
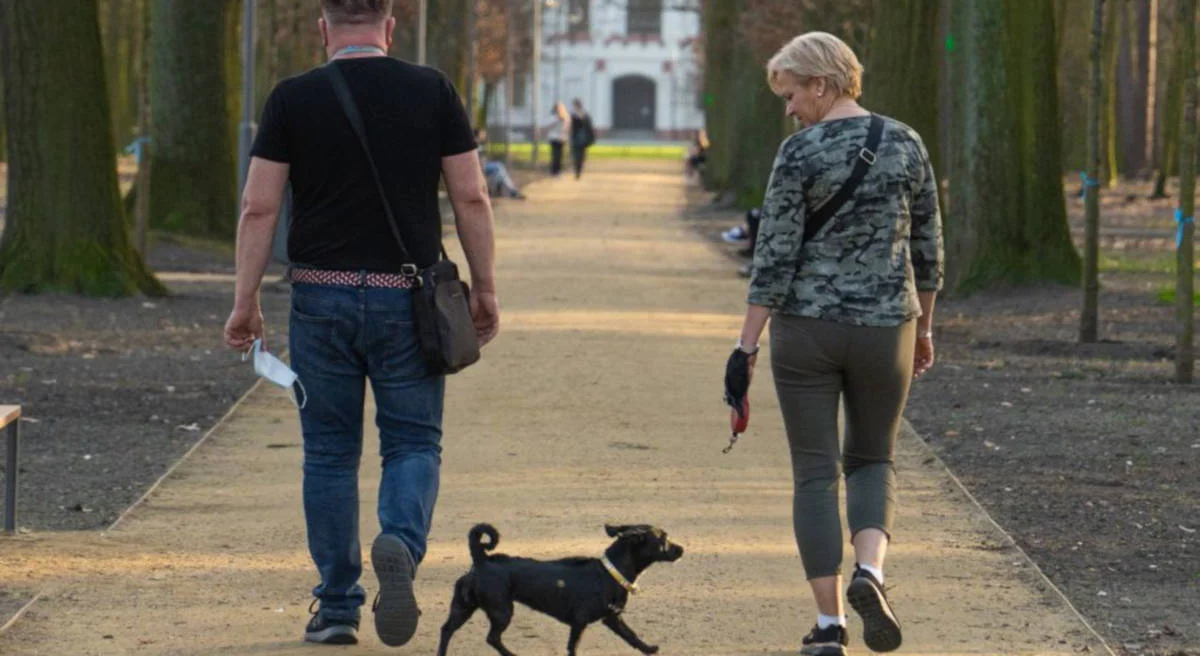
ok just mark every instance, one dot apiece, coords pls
pixel 499 182
pixel 697 154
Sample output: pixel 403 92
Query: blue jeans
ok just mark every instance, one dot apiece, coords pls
pixel 340 338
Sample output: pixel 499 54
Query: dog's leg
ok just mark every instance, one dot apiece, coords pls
pixel 462 607
pixel 573 641
pixel 619 627
pixel 499 617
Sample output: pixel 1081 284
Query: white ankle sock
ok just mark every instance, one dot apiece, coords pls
pixel 825 621
pixel 875 571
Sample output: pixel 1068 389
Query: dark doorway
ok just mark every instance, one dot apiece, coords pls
pixel 633 103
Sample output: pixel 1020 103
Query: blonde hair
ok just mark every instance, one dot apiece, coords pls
pixel 818 54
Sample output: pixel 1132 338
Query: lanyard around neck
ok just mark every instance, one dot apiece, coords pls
pixel 354 50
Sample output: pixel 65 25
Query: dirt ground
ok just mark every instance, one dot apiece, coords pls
pixel 599 402
pixel 114 391
pixel 1087 453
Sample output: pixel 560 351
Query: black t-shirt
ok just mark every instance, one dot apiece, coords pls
pixel 413 119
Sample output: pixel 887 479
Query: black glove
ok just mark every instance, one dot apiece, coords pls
pixel 737 379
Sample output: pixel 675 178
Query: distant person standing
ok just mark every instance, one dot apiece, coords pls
pixel 560 132
pixel 582 135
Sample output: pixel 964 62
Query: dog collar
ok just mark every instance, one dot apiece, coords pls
pixel 631 588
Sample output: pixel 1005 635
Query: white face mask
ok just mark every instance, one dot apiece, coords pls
pixel 273 369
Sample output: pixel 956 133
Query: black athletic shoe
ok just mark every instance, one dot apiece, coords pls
pixel 881 629
pixel 330 631
pixel 396 612
pixel 829 641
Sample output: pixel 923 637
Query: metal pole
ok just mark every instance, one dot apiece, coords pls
pixel 422 30
pixel 246 132
pixel 562 33
pixel 536 107
pixel 10 477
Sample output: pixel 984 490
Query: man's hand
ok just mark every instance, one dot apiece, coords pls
pixel 243 327
pixel 485 312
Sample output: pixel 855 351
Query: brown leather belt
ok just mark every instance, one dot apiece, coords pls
pixel 355 278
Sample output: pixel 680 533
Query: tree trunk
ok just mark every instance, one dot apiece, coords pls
pixel 1171 116
pixel 65 229
pixel 1185 254
pixel 1006 222
pixel 1112 32
pixel 1131 81
pixel 756 118
pixel 1150 135
pixel 1088 317
pixel 3 129
pixel 906 41
pixel 194 161
pixel 489 94
pixel 720 21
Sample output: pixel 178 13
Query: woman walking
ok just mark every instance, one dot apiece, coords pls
pixel 560 132
pixel 847 265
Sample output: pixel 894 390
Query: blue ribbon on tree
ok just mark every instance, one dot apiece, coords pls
pixel 1183 221
pixel 136 147
pixel 1087 182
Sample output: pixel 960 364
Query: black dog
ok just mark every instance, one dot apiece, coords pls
pixel 574 591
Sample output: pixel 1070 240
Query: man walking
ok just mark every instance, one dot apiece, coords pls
pixel 352 316
pixel 582 135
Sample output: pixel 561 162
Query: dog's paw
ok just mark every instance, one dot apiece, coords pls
pixel 650 649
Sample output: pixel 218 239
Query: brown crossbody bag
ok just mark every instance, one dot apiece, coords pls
pixel 441 301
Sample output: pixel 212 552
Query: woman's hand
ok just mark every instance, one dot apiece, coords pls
pixel 923 355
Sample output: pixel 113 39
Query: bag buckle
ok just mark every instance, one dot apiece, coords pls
pixel 409 270
pixel 867 156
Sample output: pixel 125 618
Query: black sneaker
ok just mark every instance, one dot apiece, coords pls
pixel 330 631
pixel 881 629
pixel 829 641
pixel 396 612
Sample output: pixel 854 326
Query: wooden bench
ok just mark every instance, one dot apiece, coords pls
pixel 10 423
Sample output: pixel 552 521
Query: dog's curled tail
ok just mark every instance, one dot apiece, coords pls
pixel 479 549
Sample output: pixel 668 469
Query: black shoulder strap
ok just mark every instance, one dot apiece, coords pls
pixel 343 93
pixel 864 161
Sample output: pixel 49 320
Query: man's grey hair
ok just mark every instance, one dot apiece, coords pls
pixel 356 12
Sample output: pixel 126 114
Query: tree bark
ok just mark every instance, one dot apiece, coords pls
pixel 1185 253
pixel 1171 115
pixel 65 229
pixel 1006 222
pixel 3 128
pixel 1131 81
pixel 1112 32
pixel 902 74
pixel 1088 317
pixel 755 117
pixel 1151 68
pixel 193 190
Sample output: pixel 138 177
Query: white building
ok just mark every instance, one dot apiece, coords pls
pixel 631 62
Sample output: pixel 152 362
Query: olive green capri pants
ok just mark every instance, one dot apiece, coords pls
pixel 816 363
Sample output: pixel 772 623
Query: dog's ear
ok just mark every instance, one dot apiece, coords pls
pixel 625 531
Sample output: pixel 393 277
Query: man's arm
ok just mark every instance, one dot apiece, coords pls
pixel 256 230
pixel 473 219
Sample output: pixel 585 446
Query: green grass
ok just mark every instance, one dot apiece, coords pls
pixel 1144 263
pixel 206 244
pixel 523 152
pixel 1166 296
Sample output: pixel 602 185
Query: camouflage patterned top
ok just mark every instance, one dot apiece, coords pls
pixel 866 265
